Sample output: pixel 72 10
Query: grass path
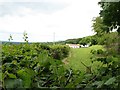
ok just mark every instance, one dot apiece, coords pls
pixel 79 55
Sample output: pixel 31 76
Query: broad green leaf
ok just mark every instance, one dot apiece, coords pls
pixel 26 75
pixel 110 81
pixel 11 75
pixel 98 83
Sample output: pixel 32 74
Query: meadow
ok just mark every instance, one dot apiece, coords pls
pixel 80 56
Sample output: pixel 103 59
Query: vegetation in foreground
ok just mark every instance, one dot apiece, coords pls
pixel 33 65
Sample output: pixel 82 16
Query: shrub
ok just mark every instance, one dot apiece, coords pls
pixel 59 51
pixel 30 65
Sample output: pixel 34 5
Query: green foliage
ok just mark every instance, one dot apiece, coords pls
pixel 91 40
pixel 26 75
pixel 108 72
pixel 73 41
pixel 59 51
pixel 110 81
pixel 11 76
pixel 99 27
pixel 85 41
pixel 110 57
pixel 110 13
pixel 31 65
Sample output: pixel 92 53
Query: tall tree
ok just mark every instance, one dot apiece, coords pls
pixel 110 14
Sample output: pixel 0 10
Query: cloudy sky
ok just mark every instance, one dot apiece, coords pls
pixel 42 18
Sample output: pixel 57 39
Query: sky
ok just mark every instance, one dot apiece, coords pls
pixel 47 20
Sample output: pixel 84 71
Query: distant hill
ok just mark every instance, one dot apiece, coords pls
pixel 4 42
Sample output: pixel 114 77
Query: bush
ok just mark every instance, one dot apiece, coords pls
pixel 59 51
pixel 99 51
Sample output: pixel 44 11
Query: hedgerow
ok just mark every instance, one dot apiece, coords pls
pixel 40 66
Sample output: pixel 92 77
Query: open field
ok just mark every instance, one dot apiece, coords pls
pixel 79 55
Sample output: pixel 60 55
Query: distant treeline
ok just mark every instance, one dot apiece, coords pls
pixel 91 40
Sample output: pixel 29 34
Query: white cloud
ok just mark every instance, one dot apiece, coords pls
pixel 24 11
pixel 71 22
pixel 54 1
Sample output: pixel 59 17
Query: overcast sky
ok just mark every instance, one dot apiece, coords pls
pixel 42 18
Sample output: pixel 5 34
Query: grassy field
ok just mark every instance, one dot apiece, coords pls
pixel 79 55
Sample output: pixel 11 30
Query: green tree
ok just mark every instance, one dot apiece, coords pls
pixel 85 40
pixel 108 76
pixel 110 14
pixel 73 41
pixel 99 27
